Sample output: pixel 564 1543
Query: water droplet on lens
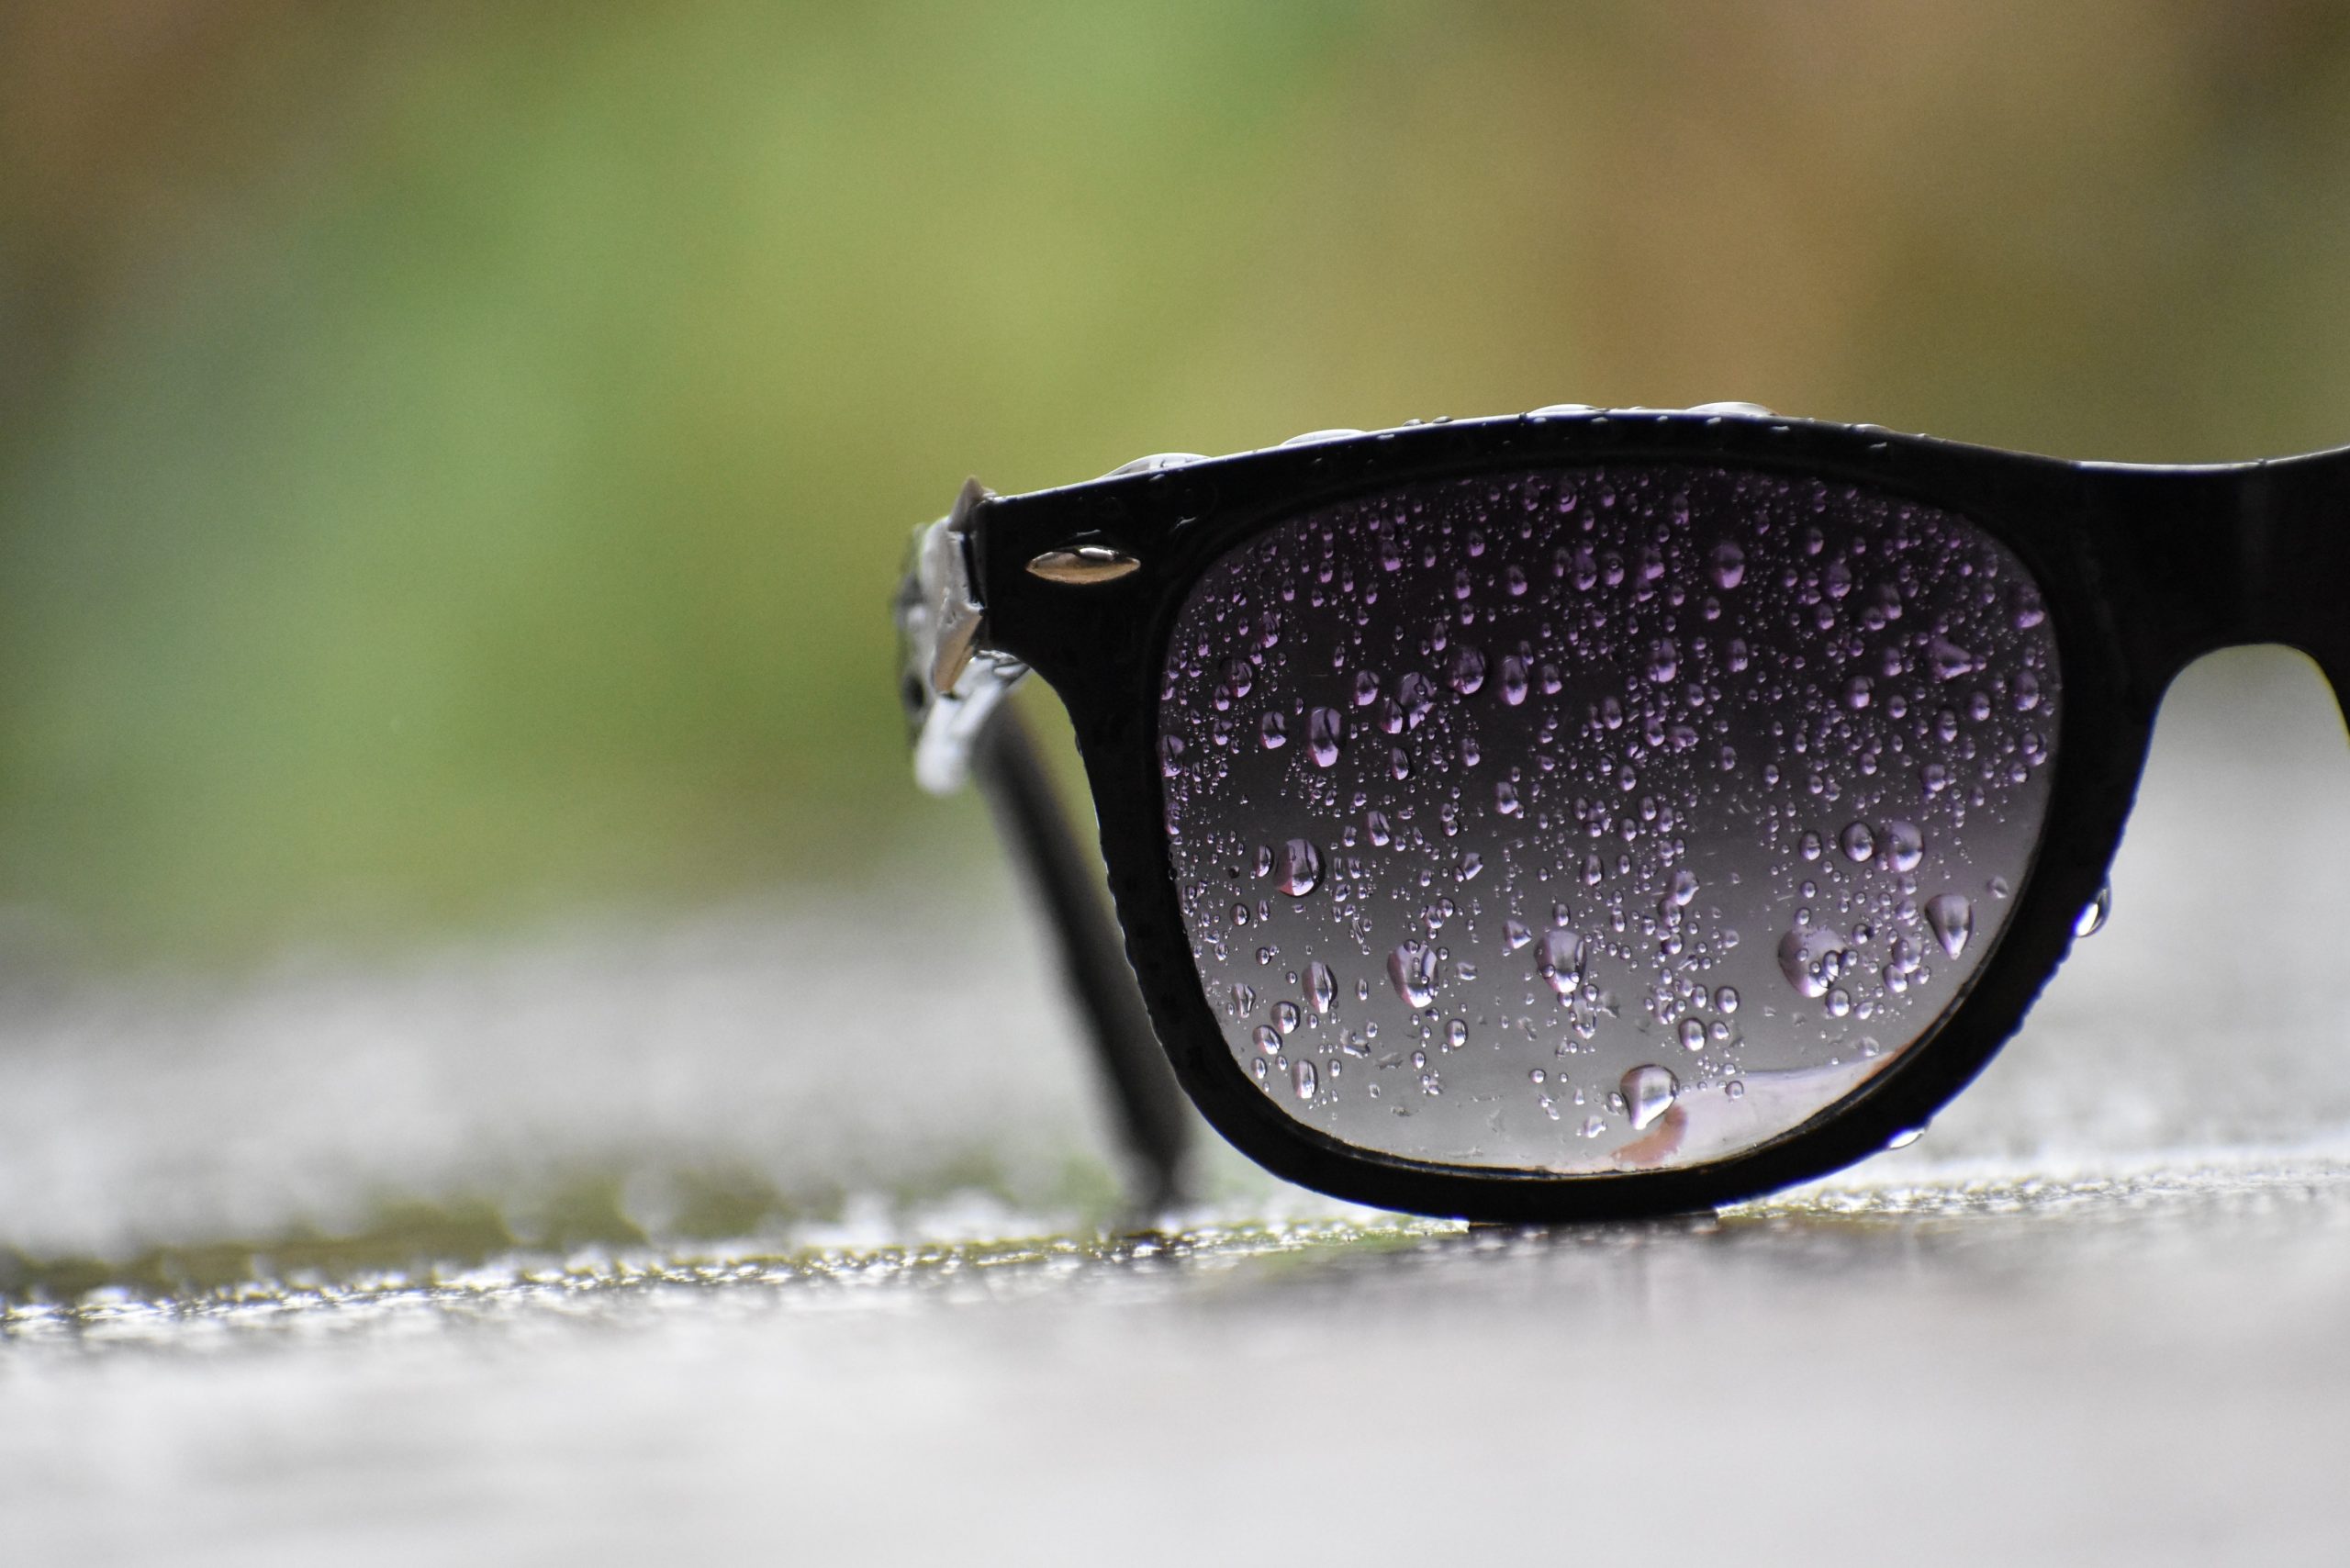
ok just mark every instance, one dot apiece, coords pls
pixel 1857 841
pixel 1664 660
pixel 1301 867
pixel 1286 1016
pixel 1274 731
pixel 1685 885
pixel 1726 998
pixel 1380 831
pixel 1948 660
pixel 1366 688
pixel 1302 1075
pixel 1416 694
pixel 1321 985
pixel 1693 1035
pixel 1170 756
pixel 1904 1138
pixel 1903 844
pixel 1951 919
pixel 1268 1041
pixel 1399 763
pixel 1808 845
pixel 1648 1091
pixel 1324 728
pixel 1513 679
pixel 1411 968
pixel 1730 565
pixel 1810 959
pixel 2091 919
pixel 1734 1089
pixel 1456 1034
pixel 1505 797
pixel 1515 935
pixel 1857 693
pixel 1264 860
pixel 1558 958
pixel 1468 670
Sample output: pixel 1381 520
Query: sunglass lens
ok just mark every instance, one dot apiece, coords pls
pixel 1599 819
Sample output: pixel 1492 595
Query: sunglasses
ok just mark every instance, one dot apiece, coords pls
pixel 1589 814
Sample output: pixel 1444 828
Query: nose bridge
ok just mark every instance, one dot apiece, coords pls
pixel 2290 536
pixel 2221 558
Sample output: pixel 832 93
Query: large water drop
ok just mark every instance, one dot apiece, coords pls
pixel 1951 919
pixel 1411 968
pixel 1558 958
pixel 1301 867
pixel 1324 729
pixel 1648 1091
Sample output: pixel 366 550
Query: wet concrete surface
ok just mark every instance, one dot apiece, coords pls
pixel 2094 1317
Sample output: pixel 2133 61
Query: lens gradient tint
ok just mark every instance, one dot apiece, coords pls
pixel 1599 819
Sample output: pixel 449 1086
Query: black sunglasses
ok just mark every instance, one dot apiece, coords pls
pixel 1588 814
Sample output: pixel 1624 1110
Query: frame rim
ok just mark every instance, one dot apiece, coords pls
pixel 1102 648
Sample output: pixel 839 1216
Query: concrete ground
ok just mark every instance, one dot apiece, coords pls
pixel 772 1233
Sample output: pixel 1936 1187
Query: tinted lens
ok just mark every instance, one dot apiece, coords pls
pixel 1599 819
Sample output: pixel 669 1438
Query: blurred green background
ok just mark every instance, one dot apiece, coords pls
pixel 454 459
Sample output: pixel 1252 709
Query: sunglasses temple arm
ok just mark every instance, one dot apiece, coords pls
pixel 1152 1120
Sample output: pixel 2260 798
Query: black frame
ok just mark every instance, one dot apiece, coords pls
pixel 2142 569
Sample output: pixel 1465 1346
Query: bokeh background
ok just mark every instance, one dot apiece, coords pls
pixel 454 460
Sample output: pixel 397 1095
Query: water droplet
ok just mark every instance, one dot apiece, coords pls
pixel 1286 1016
pixel 1951 919
pixel 2091 919
pixel 1274 731
pixel 1411 968
pixel 1268 1040
pixel 2027 692
pixel 1416 694
pixel 1693 1035
pixel 1366 688
pixel 1468 670
pixel 1858 691
pixel 1905 1138
pixel 1685 885
pixel 1948 660
pixel 1513 679
pixel 1558 958
pixel 1264 860
pixel 1727 999
pixel 1324 728
pixel 1321 985
pixel 1381 834
pixel 1903 844
pixel 1811 959
pixel 1455 1032
pixel 1664 660
pixel 1170 756
pixel 1734 1089
pixel 1728 565
pixel 1302 1075
pixel 1839 1002
pixel 1515 935
pixel 1857 841
pixel 1594 1125
pixel 1301 867
pixel 1808 845
pixel 1505 797
pixel 1399 763
pixel 1648 1091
